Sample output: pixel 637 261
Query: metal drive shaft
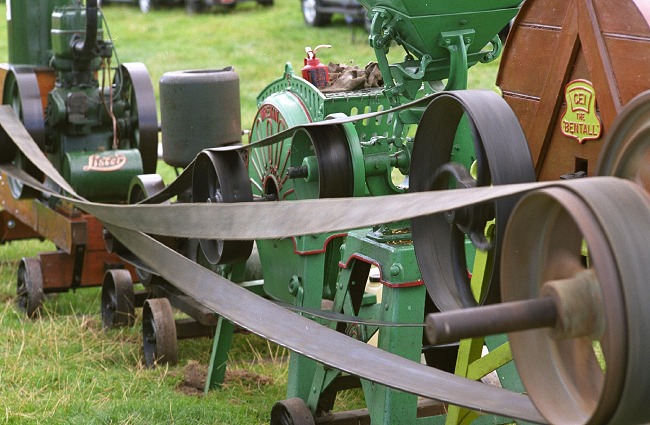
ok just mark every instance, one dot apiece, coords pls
pixel 451 326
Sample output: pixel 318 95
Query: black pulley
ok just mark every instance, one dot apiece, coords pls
pixel 222 177
pixel 321 163
pixel 501 156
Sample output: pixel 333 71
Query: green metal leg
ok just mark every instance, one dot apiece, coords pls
pixel 405 304
pixel 301 368
pixel 472 365
pixel 218 358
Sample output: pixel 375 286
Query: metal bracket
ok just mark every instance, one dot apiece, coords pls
pixel 456 42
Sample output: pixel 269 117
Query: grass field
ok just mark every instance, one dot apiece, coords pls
pixel 62 368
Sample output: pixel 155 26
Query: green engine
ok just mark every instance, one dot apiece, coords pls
pixel 97 123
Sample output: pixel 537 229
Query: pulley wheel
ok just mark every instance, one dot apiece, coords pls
pixel 159 333
pixel 140 127
pixel 626 152
pixel 21 91
pixel 292 411
pixel 500 156
pixel 29 289
pixel 141 188
pixel 323 159
pixel 222 177
pixel 118 299
pixel 603 377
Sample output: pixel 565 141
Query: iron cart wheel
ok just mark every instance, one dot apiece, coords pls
pixel 222 177
pixel 21 91
pixel 29 289
pixel 138 128
pixel 118 299
pixel 292 411
pixel 159 333
pixel 312 15
pixel 498 155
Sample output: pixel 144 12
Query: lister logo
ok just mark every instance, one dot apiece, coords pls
pixel 580 120
pixel 105 162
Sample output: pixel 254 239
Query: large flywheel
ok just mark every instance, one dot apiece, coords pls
pixel 139 126
pixel 500 156
pixel 21 91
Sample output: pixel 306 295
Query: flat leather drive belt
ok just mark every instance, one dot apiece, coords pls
pixel 266 220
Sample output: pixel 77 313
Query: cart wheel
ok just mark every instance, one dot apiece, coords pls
pixel 158 333
pixel 118 299
pixel 29 290
pixel 292 411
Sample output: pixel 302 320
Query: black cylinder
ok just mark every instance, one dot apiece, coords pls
pixel 199 110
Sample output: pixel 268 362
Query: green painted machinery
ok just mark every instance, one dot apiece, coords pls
pixel 98 131
pixel 373 157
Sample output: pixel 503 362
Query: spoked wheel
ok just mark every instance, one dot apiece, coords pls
pixel 29 290
pixel 159 333
pixel 141 188
pixel 267 165
pixel 626 152
pixel 138 129
pixel 591 367
pixel 499 155
pixel 118 299
pixel 21 91
pixel 292 411
pixel 222 177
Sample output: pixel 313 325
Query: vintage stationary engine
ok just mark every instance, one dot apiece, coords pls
pixel 93 122
pixel 98 133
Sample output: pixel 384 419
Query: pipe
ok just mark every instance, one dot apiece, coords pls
pixel 84 47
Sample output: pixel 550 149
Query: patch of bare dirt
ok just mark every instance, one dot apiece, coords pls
pixel 194 377
pixel 193 382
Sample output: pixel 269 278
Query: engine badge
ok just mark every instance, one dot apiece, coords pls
pixel 580 120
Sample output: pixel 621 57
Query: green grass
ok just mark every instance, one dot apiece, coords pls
pixel 63 368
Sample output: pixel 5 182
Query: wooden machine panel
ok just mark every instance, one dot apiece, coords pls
pixel 599 45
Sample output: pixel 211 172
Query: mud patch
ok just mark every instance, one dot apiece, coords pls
pixel 247 379
pixel 194 378
pixel 193 382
